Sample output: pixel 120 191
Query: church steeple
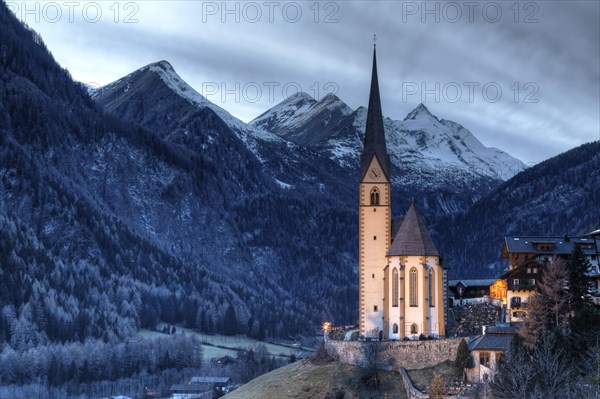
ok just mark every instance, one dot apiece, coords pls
pixel 374 132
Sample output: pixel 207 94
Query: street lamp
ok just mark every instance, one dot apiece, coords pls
pixel 326 329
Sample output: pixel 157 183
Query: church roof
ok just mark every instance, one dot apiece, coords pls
pixel 396 226
pixel 412 237
pixel 374 133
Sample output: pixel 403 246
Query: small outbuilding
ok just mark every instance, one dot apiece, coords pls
pixel 487 351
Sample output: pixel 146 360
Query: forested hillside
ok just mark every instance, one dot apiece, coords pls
pixel 108 227
pixel 556 197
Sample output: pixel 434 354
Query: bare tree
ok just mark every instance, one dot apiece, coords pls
pixel 438 388
pixel 535 323
pixel 553 287
pixel 376 358
pixel 549 308
pixel 372 357
pixel 554 374
pixel 515 373
pixel 592 365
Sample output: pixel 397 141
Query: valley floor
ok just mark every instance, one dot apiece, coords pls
pixel 216 345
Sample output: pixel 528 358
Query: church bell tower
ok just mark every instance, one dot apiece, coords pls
pixel 374 217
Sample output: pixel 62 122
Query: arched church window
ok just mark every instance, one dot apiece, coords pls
pixel 375 196
pixel 395 294
pixel 413 287
pixel 431 288
pixel 395 329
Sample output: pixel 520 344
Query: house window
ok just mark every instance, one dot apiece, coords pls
pixel 535 270
pixel 531 281
pixel 375 308
pixel 529 270
pixel 374 237
pixel 414 329
pixel 413 287
pixel 375 196
pixel 395 293
pixel 516 281
pixel 515 301
pixel 484 358
pixel 395 329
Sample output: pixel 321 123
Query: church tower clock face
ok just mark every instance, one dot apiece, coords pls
pixel 375 173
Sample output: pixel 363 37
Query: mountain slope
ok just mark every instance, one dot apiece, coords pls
pixel 71 268
pixel 108 226
pixel 556 197
pixel 285 201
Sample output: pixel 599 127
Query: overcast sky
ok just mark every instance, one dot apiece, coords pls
pixel 523 77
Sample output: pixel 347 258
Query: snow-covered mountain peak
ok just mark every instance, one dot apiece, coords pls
pixel 168 75
pixel 420 111
pixel 421 140
pixel 166 65
pixel 333 102
pixel 299 96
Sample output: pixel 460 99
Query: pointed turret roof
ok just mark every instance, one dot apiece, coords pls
pixel 412 237
pixel 374 132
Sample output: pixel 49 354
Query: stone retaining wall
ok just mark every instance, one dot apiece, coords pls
pixel 391 355
pixel 411 391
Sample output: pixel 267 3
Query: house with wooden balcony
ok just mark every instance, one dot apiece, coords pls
pixel 527 256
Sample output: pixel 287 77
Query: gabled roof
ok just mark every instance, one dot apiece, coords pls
pixel 412 237
pixel 190 388
pixel 472 282
pixel 210 380
pixel 560 245
pixel 374 133
pixel 594 233
pixel 500 342
pixel 501 329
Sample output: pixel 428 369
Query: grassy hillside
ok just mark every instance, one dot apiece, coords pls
pixel 319 376
pixel 326 379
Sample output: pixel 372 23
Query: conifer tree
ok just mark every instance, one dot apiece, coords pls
pixel 464 360
pixel 578 268
pixel 230 321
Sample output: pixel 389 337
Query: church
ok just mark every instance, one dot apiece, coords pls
pixel 402 284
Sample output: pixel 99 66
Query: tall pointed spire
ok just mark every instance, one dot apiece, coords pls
pixel 374 132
